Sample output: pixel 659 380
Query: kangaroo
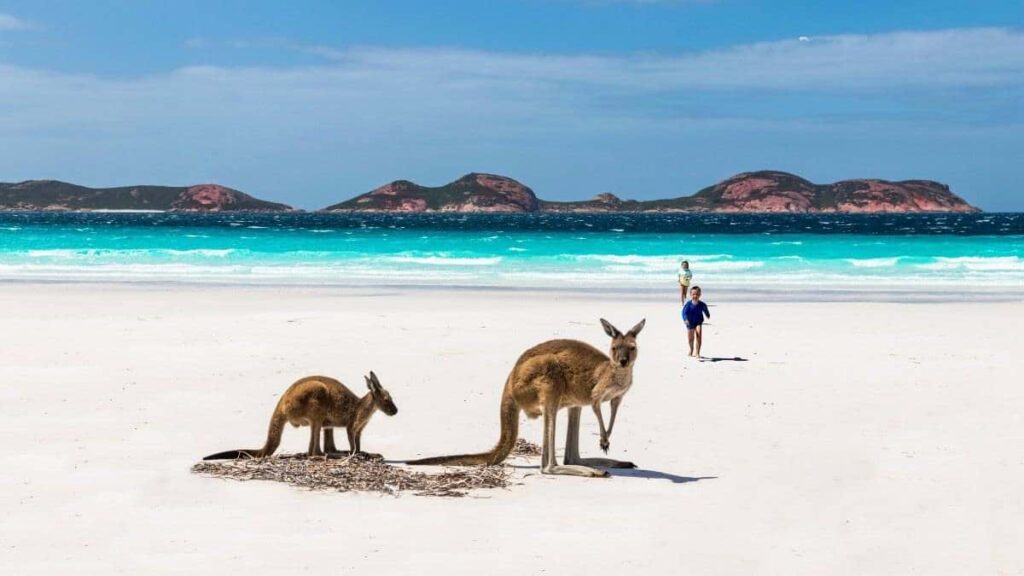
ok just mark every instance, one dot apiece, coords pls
pixel 562 374
pixel 321 403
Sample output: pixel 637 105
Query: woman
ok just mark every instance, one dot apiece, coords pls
pixel 685 276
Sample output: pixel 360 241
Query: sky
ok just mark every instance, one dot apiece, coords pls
pixel 313 102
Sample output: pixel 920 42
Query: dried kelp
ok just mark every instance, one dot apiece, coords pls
pixel 359 474
pixel 525 448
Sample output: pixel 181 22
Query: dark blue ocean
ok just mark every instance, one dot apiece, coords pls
pixel 899 251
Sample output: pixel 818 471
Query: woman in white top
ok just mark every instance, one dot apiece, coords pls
pixel 685 276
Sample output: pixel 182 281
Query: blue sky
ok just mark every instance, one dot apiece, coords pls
pixel 310 103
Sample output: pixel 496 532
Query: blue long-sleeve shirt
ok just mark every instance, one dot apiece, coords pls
pixel 693 314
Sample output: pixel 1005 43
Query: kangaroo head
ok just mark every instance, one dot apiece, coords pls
pixel 623 348
pixel 381 397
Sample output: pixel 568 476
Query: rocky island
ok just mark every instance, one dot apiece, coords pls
pixel 471 193
pixel 764 191
pixel 53 195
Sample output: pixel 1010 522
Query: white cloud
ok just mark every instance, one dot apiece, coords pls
pixel 952 58
pixel 9 22
pixel 949 58
pixel 421 92
pixel 368 111
pixel 426 86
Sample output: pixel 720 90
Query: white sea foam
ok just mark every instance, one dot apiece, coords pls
pixel 444 260
pixel 873 262
pixel 92 254
pixel 627 259
pixel 369 271
pixel 976 263
pixel 671 260
pixel 731 265
pixel 210 252
pixel 61 253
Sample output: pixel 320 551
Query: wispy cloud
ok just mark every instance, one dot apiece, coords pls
pixel 955 58
pixel 9 22
pixel 368 111
pixel 269 43
pixel 437 85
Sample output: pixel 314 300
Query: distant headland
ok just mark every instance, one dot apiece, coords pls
pixel 763 191
pixel 53 195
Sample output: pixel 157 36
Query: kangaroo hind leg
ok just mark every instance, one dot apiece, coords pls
pixel 314 439
pixel 357 446
pixel 329 448
pixel 572 446
pixel 549 463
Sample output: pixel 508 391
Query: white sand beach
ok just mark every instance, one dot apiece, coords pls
pixel 851 438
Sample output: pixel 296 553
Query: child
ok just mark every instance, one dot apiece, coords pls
pixel 684 280
pixel 694 312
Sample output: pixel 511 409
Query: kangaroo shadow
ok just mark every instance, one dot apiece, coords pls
pixel 655 475
pixel 631 473
pixel 723 359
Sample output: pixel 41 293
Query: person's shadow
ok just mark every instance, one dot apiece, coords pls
pixel 654 475
pixel 722 359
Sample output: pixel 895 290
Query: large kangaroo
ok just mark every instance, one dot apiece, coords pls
pixel 321 402
pixel 562 374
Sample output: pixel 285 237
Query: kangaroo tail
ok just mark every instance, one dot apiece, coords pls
pixel 509 433
pixel 277 422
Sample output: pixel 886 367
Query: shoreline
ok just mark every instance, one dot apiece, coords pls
pixel 638 293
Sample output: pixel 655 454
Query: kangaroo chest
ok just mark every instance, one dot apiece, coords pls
pixel 612 384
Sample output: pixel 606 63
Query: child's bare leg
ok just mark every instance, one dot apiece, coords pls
pixel 689 339
pixel 682 294
pixel 699 330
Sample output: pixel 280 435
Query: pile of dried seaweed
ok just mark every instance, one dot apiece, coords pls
pixel 359 474
pixel 525 448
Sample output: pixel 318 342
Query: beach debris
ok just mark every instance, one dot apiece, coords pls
pixel 524 447
pixel 359 473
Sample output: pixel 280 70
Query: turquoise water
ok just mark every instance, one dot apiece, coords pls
pixel 842 252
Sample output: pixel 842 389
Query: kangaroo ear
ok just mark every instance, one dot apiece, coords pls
pixel 636 329
pixel 369 383
pixel 376 382
pixel 609 329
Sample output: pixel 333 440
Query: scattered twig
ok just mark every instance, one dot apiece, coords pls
pixel 359 473
pixel 525 448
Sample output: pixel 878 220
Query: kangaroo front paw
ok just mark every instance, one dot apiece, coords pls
pixel 605 444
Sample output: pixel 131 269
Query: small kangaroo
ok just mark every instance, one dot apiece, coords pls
pixel 321 402
pixel 562 374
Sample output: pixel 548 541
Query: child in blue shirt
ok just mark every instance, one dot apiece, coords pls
pixel 694 312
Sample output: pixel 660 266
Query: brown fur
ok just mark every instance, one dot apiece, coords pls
pixel 321 403
pixel 561 374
